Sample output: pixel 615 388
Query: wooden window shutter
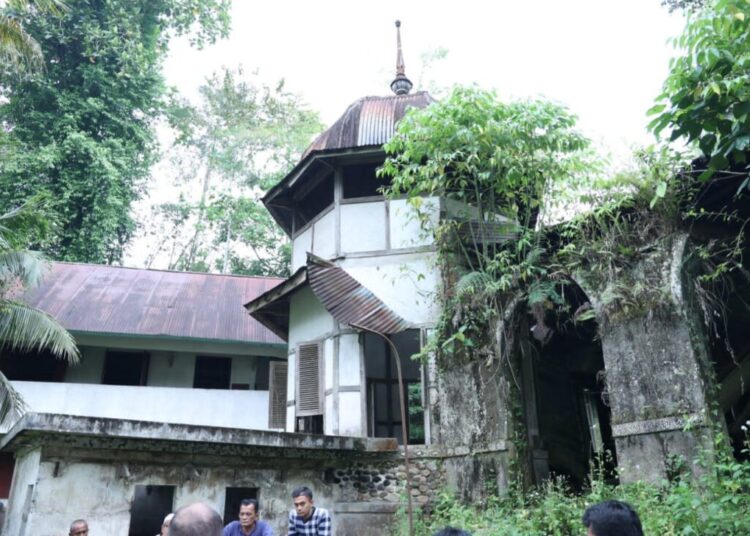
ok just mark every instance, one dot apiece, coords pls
pixel 277 394
pixel 309 392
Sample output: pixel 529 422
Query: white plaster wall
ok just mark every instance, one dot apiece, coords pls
pixel 171 369
pixel 324 237
pixel 308 319
pixel 349 360
pixel 350 414
pixel 328 363
pixel 405 228
pixel 201 407
pixel 291 378
pixel 25 474
pixel 300 246
pixel 363 227
pixel 407 283
pixel 89 369
pixel 329 417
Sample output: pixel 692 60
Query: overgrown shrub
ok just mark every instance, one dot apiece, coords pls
pixel 717 503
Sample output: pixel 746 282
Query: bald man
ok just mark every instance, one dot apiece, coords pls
pixel 79 527
pixel 196 519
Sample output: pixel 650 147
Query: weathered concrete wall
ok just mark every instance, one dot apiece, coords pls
pixel 656 369
pixel 20 501
pixel 362 497
pixel 473 420
pixel 90 468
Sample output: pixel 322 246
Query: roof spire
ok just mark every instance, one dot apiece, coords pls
pixel 400 85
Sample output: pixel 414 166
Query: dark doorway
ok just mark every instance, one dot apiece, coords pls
pixel 567 415
pixel 212 372
pixel 150 505
pixel 32 366
pixel 232 501
pixel 383 405
pixel 125 368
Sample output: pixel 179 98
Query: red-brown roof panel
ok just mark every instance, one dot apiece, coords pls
pixel 110 299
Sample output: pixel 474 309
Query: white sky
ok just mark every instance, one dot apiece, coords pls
pixel 605 59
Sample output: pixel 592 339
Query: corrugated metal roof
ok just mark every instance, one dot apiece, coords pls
pixel 349 301
pixel 110 299
pixel 345 298
pixel 368 121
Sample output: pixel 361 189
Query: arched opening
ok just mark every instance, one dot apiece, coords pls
pixel 566 407
pixel 723 293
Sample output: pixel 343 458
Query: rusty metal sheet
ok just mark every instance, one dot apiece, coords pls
pixel 368 121
pixel 110 299
pixel 349 301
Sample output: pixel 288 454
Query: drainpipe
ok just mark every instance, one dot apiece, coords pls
pixel 397 357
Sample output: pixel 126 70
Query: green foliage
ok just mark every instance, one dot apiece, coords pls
pixel 476 149
pixel 81 130
pixel 229 149
pixel 706 97
pixel 715 503
pixel 493 164
pixel 22 328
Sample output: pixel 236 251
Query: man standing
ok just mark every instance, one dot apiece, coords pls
pixel 249 524
pixel 306 519
pixel 196 519
pixel 612 518
pixel 79 527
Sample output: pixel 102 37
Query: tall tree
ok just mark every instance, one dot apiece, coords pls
pixel 23 328
pixel 82 128
pixel 229 149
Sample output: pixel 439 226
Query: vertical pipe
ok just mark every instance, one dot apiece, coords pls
pixel 404 431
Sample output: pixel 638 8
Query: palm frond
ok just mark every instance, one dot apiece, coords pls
pixel 25 267
pixel 12 405
pixel 26 329
pixel 18 48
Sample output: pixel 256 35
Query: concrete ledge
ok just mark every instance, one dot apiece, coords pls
pixel 653 426
pixel 440 451
pixel 366 507
pixel 96 433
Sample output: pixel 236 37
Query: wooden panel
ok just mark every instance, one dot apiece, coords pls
pixel 277 394
pixel 309 391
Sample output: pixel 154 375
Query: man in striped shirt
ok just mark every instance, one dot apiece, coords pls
pixel 307 519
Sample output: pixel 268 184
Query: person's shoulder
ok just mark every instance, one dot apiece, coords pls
pixel 322 512
pixel 230 527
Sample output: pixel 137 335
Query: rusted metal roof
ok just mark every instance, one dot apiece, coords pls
pixel 349 301
pixel 109 299
pixel 345 298
pixel 368 121
pixel 272 307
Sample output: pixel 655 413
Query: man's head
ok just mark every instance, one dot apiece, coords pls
pixel 450 531
pixel 79 527
pixel 196 519
pixel 303 501
pixel 165 524
pixel 612 518
pixel 248 513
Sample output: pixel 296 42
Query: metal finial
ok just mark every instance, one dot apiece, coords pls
pixel 400 85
